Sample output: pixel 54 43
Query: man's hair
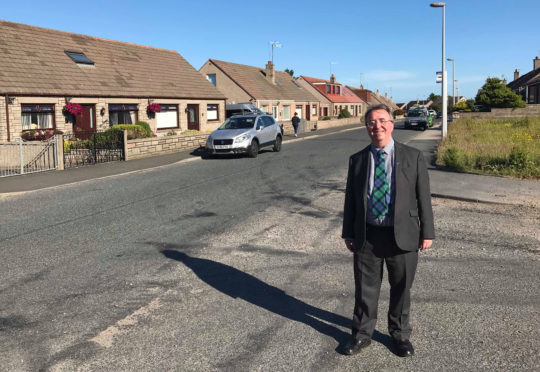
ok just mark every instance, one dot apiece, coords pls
pixel 377 107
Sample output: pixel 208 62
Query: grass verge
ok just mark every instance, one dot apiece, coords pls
pixel 507 147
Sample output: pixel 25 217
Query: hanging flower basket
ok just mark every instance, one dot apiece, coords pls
pixel 39 135
pixel 72 108
pixel 153 108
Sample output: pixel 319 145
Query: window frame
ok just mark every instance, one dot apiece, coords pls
pixel 214 83
pixel 217 111
pixel 39 111
pixel 124 107
pixel 166 107
pixel 73 54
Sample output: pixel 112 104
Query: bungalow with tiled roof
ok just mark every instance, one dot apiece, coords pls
pixel 41 70
pixel 334 96
pixel 373 98
pixel 528 85
pixel 275 92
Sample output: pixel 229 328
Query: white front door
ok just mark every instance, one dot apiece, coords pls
pixel 275 112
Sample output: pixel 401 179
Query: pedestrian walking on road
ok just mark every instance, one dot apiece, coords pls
pixel 295 122
pixel 387 218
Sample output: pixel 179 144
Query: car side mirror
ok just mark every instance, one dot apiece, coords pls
pixel 259 127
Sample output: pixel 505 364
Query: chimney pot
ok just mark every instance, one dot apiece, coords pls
pixel 536 62
pixel 516 74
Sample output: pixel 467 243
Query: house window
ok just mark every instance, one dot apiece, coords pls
pixel 314 110
pixel 286 113
pixel 211 78
pixel 123 114
pixel 212 112
pixel 328 89
pixel 167 117
pixel 338 88
pixel 79 57
pixel 264 108
pixel 352 110
pixel 299 111
pixel 37 117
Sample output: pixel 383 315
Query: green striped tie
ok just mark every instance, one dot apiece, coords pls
pixel 380 199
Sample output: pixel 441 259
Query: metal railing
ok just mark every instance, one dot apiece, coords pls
pixel 23 157
pixel 85 148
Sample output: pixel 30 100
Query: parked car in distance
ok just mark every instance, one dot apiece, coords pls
pixel 418 118
pixel 439 114
pixel 245 134
pixel 433 113
pixel 241 109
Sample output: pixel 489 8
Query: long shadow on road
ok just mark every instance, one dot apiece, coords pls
pixel 238 284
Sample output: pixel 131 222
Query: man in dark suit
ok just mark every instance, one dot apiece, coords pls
pixel 387 219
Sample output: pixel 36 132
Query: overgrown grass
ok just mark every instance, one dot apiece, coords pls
pixel 508 147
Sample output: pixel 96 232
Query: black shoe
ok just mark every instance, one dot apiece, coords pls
pixel 404 348
pixel 354 346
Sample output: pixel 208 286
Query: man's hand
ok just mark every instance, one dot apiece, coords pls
pixel 350 244
pixel 425 244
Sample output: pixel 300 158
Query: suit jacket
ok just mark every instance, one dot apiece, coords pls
pixel 413 215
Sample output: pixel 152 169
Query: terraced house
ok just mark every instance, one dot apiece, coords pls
pixel 41 70
pixel 275 92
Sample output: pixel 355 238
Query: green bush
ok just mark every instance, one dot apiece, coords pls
pixel 171 133
pixel 134 131
pixel 344 113
pixel 455 158
pixel 146 128
pixel 326 118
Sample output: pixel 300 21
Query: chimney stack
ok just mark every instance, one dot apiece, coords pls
pixel 516 74
pixel 362 86
pixel 270 73
pixel 385 95
pixel 536 62
pixel 332 79
pixel 377 92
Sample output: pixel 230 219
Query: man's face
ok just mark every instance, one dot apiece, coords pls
pixel 380 133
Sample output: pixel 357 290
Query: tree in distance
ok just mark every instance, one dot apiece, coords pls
pixel 494 93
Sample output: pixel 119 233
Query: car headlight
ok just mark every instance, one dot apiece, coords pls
pixel 209 140
pixel 242 138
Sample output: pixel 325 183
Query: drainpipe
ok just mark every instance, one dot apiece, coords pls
pixel 7 118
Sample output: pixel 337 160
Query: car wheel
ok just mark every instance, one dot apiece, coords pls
pixel 424 127
pixel 277 144
pixel 253 149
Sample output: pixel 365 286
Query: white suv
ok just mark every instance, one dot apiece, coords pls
pixel 245 134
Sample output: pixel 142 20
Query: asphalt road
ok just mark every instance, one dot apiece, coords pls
pixel 236 264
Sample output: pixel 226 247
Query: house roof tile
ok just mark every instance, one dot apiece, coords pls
pixel 530 78
pixel 346 96
pixel 253 80
pixel 33 61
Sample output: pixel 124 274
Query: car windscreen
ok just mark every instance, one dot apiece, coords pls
pixel 415 114
pixel 238 123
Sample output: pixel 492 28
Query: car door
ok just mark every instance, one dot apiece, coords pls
pixel 267 132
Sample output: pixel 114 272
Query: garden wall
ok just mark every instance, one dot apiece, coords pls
pixel 144 147
pixel 500 113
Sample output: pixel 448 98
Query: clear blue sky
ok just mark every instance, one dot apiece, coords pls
pixel 393 46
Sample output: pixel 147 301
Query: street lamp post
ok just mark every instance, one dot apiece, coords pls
pixel 443 88
pixel 453 81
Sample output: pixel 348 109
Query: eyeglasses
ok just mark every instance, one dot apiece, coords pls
pixel 372 123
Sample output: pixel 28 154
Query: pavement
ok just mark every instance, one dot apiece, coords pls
pixel 444 183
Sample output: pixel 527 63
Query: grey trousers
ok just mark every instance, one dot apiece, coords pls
pixel 401 265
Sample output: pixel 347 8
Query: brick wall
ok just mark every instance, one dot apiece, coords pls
pixel 499 113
